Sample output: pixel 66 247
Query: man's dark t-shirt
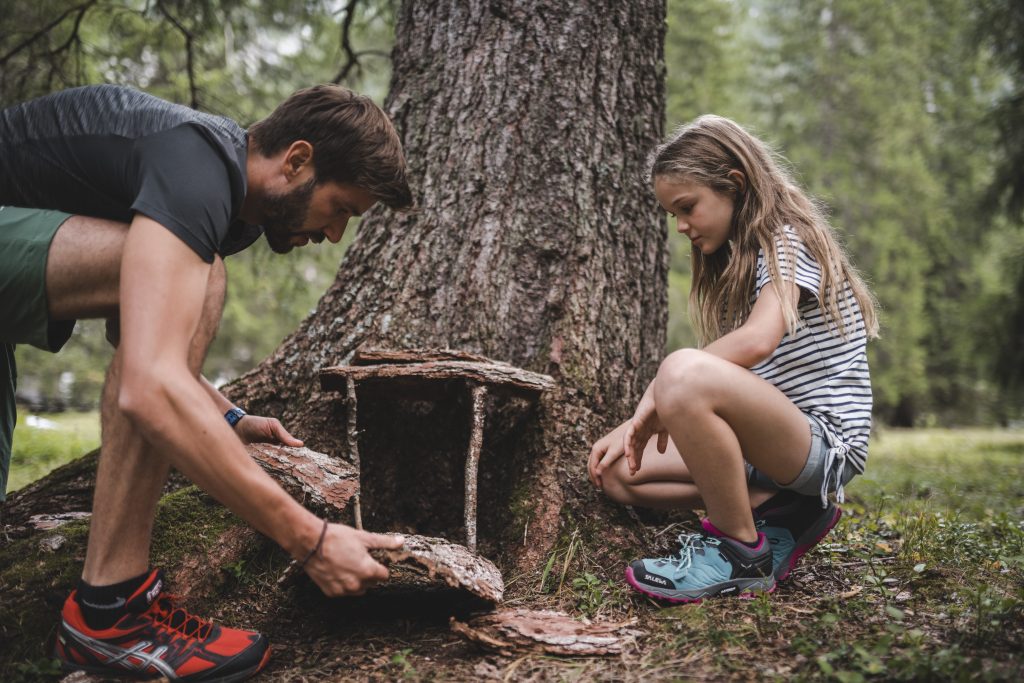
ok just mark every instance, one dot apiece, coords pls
pixel 108 151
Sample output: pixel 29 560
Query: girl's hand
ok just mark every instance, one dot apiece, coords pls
pixel 639 430
pixel 605 452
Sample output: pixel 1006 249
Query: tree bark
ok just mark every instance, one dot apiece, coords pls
pixel 536 241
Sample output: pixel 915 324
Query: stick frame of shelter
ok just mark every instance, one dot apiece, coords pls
pixel 479 394
pixel 353 445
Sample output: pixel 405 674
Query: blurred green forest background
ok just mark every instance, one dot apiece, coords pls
pixel 905 119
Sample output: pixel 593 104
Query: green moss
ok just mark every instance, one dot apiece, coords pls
pixel 188 522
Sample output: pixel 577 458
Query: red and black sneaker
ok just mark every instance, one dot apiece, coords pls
pixel 158 639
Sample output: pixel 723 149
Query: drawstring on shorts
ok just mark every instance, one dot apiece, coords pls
pixel 835 468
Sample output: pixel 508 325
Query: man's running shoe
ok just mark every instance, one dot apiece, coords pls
pixel 708 564
pixel 794 525
pixel 155 638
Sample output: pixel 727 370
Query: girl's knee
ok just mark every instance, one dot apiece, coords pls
pixel 684 377
pixel 614 484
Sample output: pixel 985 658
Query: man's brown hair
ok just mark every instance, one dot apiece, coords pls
pixel 353 140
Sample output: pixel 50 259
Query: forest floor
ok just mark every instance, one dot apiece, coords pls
pixel 923 579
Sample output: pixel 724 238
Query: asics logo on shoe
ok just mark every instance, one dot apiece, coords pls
pixel 131 658
pixel 154 591
pixel 113 605
pixel 655 579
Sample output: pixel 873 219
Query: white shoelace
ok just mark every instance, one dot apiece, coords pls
pixel 690 544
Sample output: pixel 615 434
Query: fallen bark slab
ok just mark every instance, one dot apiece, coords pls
pixel 317 480
pixel 438 558
pixel 546 632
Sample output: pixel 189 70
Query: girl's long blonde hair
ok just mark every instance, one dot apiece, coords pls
pixel 705 152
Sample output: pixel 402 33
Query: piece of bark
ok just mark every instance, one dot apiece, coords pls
pixel 82 677
pixel 378 356
pixel 315 479
pixel 500 375
pixel 52 521
pixel 441 559
pixel 51 544
pixel 318 481
pixel 545 632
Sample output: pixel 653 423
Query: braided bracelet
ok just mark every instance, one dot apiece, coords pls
pixel 317 548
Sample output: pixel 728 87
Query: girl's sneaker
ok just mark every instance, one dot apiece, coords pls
pixel 157 639
pixel 794 524
pixel 708 564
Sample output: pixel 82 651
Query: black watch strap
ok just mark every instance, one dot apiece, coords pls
pixel 234 415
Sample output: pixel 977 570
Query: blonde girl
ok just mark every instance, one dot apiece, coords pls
pixel 773 413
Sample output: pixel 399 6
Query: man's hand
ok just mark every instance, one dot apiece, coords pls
pixel 344 565
pixel 256 429
pixel 644 424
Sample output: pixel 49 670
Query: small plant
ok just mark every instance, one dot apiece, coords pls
pixel 762 606
pixel 589 593
pixel 236 570
pixel 567 557
pixel 400 661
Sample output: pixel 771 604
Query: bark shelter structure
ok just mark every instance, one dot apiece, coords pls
pixel 536 242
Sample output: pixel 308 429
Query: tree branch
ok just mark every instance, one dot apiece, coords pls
pixel 189 54
pixel 81 9
pixel 351 56
pixel 73 37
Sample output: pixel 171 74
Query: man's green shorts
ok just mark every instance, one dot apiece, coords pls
pixel 25 236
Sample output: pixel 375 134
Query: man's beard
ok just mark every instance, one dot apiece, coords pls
pixel 284 214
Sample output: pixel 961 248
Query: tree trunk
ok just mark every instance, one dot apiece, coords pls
pixel 536 241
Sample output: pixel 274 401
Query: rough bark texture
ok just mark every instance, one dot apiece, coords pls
pixel 320 482
pixel 537 242
pixel 437 558
pixel 508 632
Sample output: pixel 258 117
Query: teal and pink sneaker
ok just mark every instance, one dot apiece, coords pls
pixel 708 564
pixel 794 524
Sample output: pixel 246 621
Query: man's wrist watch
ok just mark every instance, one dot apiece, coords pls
pixel 234 415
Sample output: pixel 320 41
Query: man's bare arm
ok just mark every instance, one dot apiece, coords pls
pixel 162 292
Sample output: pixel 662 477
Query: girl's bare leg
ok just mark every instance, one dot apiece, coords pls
pixel 663 483
pixel 718 413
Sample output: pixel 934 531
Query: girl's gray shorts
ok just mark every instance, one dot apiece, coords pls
pixel 811 479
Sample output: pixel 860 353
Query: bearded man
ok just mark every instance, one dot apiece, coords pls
pixel 115 204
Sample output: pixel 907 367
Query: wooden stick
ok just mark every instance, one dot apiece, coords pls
pixel 353 446
pixel 479 393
